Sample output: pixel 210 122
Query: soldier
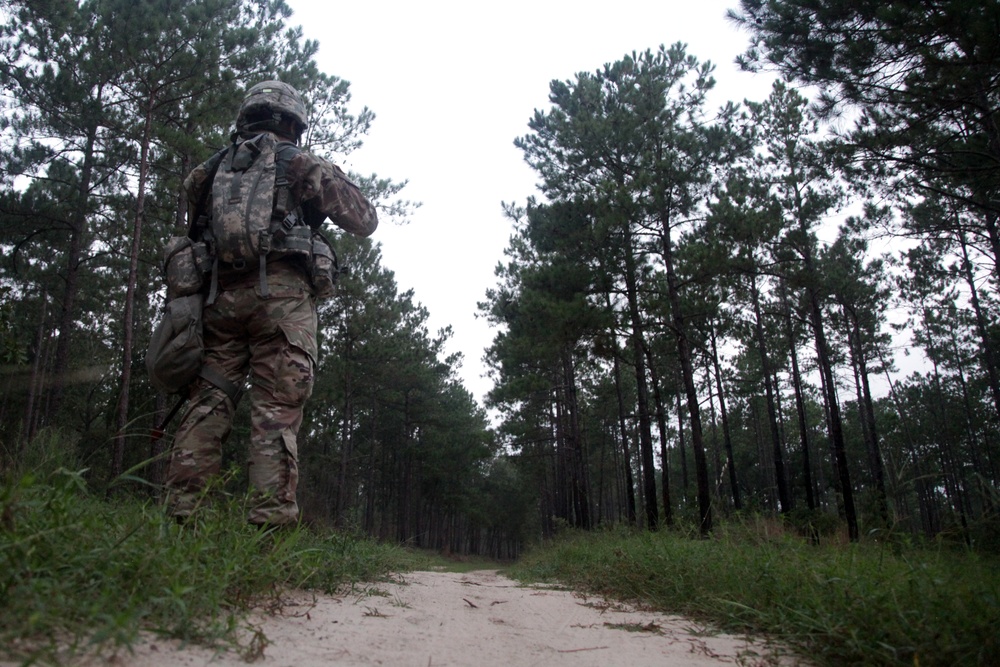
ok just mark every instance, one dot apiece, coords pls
pixel 259 321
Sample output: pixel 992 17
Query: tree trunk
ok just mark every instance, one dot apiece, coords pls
pixel 35 383
pixel 987 469
pixel 784 499
pixel 713 420
pixel 867 408
pixel 954 483
pixel 579 479
pixel 988 355
pixel 687 373
pixel 730 459
pixel 67 315
pixel 661 425
pixel 121 410
pixel 642 391
pixel 682 448
pixel 800 405
pixel 835 422
pixel 630 511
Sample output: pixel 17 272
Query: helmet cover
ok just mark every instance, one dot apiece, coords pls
pixel 268 98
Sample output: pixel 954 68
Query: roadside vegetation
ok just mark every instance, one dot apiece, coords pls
pixel 84 573
pixel 877 602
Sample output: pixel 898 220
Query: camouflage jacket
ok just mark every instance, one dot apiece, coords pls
pixel 321 187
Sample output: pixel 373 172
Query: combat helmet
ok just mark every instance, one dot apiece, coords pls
pixel 265 104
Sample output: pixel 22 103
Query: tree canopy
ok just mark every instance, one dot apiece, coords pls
pixel 784 306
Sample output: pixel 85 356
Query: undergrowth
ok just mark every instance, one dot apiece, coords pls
pixel 862 604
pixel 83 574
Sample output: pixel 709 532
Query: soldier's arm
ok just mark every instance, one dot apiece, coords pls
pixel 328 190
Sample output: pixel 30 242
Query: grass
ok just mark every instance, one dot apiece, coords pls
pixel 435 561
pixel 81 574
pixel 862 604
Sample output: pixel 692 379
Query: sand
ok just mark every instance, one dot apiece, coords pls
pixel 482 619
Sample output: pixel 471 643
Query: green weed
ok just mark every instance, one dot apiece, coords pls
pixel 79 573
pixel 870 603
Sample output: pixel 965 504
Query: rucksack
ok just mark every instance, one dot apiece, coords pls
pixel 252 215
pixel 176 347
pixel 176 352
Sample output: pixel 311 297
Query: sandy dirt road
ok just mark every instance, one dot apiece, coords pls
pixel 475 619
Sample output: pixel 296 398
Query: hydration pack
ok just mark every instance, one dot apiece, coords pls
pixel 252 215
pixel 251 219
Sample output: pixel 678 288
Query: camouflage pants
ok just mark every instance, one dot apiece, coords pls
pixel 274 341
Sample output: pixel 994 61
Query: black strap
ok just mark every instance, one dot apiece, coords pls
pixel 215 377
pixel 262 276
pixel 284 153
pixel 219 380
pixel 161 428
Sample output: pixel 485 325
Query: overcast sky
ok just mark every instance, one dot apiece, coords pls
pixel 452 85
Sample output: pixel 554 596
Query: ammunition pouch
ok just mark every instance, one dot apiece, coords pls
pixel 186 264
pixel 296 240
pixel 323 266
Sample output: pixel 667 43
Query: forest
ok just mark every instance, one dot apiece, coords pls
pixel 785 307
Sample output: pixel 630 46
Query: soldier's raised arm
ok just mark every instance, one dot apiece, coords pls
pixel 328 190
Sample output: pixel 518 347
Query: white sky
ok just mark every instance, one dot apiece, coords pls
pixel 452 85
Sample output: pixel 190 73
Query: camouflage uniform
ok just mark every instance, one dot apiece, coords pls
pixel 274 340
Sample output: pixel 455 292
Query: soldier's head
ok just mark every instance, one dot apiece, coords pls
pixel 274 106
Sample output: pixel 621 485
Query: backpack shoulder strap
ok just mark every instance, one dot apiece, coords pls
pixel 284 152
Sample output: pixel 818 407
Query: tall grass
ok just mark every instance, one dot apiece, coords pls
pixel 865 604
pixel 79 573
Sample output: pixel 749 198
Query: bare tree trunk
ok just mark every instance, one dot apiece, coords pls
pixel 630 509
pixel 784 498
pixel 121 412
pixel 642 392
pixel 682 448
pixel 345 476
pixel 67 315
pixel 36 382
pixel 835 422
pixel 679 325
pixel 579 478
pixel 800 405
pixel 867 409
pixel 714 422
pixel 978 466
pixel 988 355
pixel 661 424
pixel 954 486
pixel 730 459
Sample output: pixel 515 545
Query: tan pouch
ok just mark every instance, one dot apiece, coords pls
pixel 186 264
pixel 323 269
